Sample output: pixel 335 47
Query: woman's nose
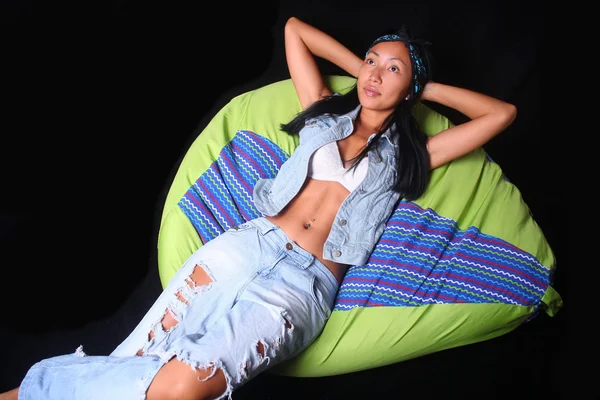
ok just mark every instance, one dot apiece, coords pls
pixel 375 76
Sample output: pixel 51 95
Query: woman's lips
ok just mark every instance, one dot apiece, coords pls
pixel 371 92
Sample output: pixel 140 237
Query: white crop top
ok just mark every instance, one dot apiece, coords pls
pixel 326 165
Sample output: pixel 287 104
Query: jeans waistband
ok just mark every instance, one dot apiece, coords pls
pixel 302 256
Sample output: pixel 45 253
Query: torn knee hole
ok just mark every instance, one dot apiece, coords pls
pixel 260 348
pixel 168 322
pixel 199 277
pixel 288 324
pixel 181 298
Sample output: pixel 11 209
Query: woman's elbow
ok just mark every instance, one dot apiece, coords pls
pixel 290 23
pixel 507 116
pixel 513 111
pixel 510 113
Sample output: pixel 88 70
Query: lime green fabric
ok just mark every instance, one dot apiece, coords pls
pixel 364 338
pixel 471 191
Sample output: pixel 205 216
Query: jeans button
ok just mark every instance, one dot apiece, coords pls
pixel 337 253
pixel 342 222
pixel 289 246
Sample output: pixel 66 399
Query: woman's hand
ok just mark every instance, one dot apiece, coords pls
pixel 425 95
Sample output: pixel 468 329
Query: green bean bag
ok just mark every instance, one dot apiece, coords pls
pixel 466 262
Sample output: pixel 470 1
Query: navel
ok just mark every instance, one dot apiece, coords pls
pixel 307 224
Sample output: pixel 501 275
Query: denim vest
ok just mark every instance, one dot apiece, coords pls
pixel 363 215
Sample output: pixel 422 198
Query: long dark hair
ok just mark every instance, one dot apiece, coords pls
pixel 412 157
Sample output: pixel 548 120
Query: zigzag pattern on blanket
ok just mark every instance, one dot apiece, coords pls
pixel 222 196
pixel 422 257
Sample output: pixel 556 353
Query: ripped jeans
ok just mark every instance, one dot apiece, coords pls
pixel 257 300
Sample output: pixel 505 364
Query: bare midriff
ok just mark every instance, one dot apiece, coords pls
pixel 308 218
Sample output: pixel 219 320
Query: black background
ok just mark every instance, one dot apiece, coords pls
pixel 101 101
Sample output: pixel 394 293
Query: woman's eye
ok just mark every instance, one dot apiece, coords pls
pixel 369 61
pixel 394 69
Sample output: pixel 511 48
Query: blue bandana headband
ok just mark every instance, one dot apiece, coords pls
pixel 420 76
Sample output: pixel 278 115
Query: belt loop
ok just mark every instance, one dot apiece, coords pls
pixel 264 225
pixel 309 261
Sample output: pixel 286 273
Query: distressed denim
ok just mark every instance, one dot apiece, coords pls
pixel 263 289
pixel 362 217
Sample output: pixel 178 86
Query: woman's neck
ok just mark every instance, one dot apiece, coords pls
pixel 368 122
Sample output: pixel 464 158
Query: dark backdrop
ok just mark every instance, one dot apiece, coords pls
pixel 102 100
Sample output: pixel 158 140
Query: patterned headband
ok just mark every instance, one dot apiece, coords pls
pixel 420 76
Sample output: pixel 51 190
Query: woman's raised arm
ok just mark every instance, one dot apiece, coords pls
pixel 489 116
pixel 302 43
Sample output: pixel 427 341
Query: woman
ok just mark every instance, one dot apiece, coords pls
pixel 261 292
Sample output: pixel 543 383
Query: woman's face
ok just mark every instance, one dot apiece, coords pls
pixel 384 76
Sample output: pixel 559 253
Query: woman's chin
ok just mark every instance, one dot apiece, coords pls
pixel 373 103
